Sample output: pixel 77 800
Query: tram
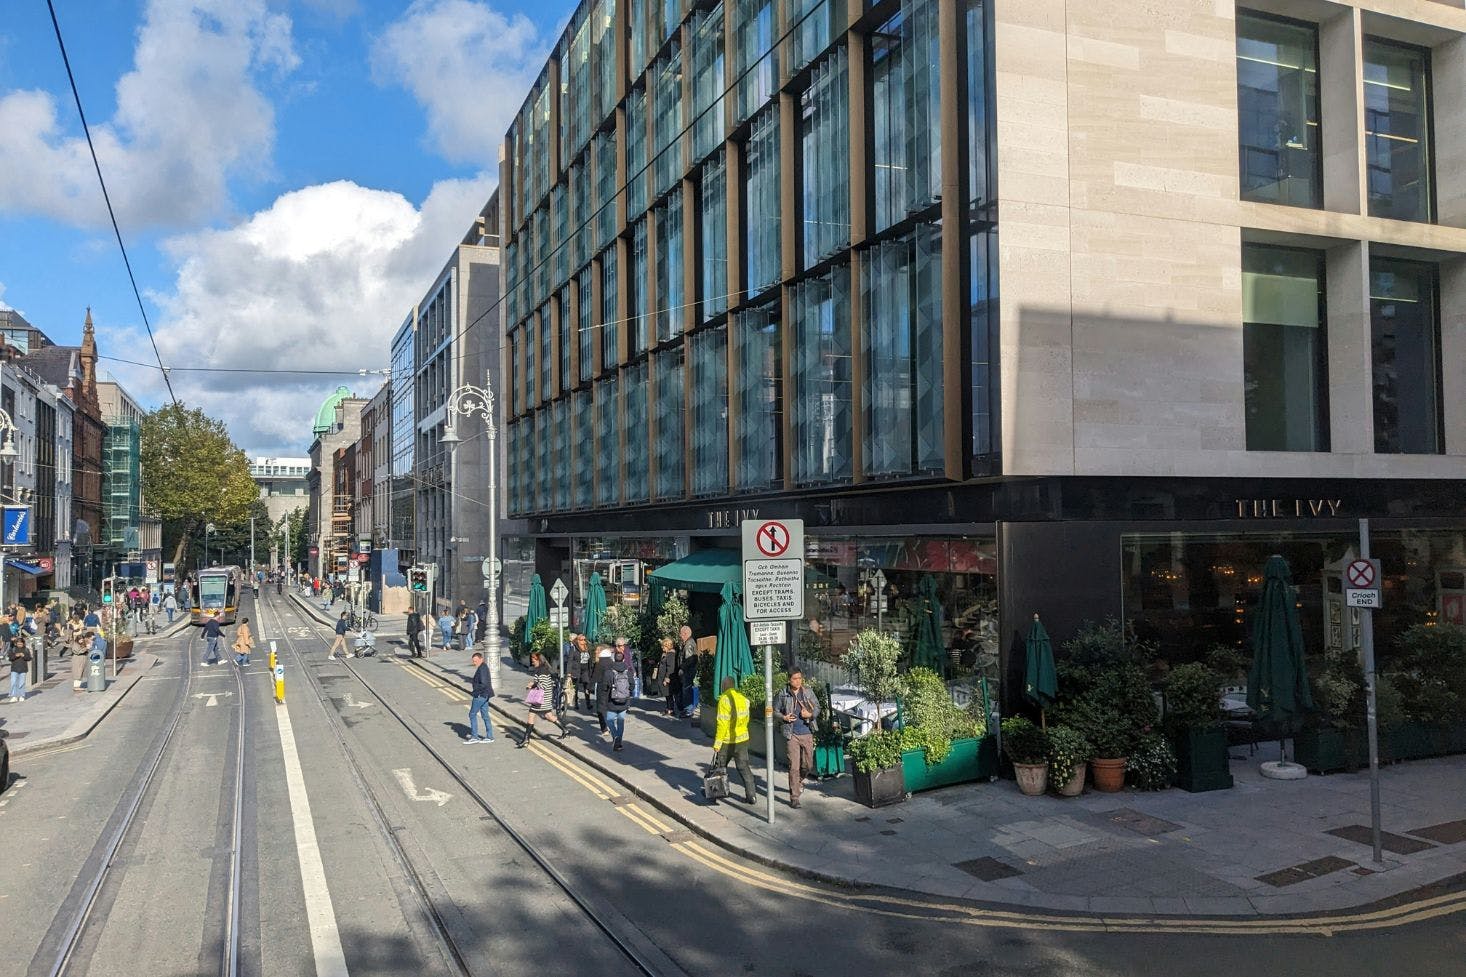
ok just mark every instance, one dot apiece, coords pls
pixel 217 593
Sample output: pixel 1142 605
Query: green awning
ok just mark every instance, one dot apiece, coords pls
pixel 705 571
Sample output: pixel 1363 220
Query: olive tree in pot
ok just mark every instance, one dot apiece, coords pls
pixel 1192 721
pixel 876 756
pixel 1069 755
pixel 1027 747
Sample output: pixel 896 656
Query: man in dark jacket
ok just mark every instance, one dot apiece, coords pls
pixel 414 633
pixel 614 691
pixel 483 691
pixel 213 639
pixel 687 662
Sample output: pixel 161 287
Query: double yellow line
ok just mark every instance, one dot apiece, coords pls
pixel 901 907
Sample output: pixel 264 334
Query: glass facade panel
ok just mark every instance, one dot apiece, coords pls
pixel 637 313
pixel 713 227
pixel 610 317
pixel 761 208
pixel 531 374
pixel 608 458
pixel 574 84
pixel 669 446
pixel 512 479
pixel 755 61
pixel 825 134
pixel 1277 111
pixel 707 82
pixel 902 342
pixel 758 399
pixel 812 23
pixel 670 270
pixel 982 323
pixel 561 469
pixel 977 112
pixel 560 252
pixel 819 379
pixel 516 396
pixel 636 176
pixel 563 338
pixel 547 353
pixel 1284 349
pixel 581 219
pixel 582 475
pixel 603 151
pixel 710 412
pixel 1405 320
pixel 906 112
pixel 585 327
pixel 634 417
pixel 636 26
pixel 1397 131
pixel 545 468
pixel 667 166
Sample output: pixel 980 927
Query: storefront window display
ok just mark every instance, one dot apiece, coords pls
pixel 841 599
pixel 1190 593
pixel 623 563
pixel 517 554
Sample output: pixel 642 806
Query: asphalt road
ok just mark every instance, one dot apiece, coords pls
pixel 408 857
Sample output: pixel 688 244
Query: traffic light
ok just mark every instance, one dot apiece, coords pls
pixel 106 590
pixel 417 579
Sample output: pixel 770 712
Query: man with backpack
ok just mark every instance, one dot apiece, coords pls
pixel 613 693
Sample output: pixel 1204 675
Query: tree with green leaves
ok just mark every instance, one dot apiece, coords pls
pixel 193 474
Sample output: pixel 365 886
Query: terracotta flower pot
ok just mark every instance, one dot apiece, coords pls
pixel 1075 786
pixel 1033 778
pixel 1109 775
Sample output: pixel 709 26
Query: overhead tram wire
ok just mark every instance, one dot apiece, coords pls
pixel 107 197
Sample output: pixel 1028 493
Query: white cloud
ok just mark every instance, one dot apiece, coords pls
pixel 320 280
pixel 468 65
pixel 3 306
pixel 190 114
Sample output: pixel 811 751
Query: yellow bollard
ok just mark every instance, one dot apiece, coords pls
pixel 272 658
pixel 278 670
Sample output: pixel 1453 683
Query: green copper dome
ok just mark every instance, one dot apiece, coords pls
pixel 326 416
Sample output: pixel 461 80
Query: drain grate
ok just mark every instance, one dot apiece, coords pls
pixel 1398 844
pixel 1304 871
pixel 1446 833
pixel 987 869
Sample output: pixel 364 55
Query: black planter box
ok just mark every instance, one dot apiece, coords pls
pixel 1201 760
pixel 880 788
pixel 1331 750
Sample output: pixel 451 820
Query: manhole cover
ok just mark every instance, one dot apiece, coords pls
pixel 1142 824
pixel 1446 833
pixel 987 869
pixel 1398 844
pixel 1304 871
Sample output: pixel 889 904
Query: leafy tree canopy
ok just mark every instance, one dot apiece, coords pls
pixel 193 473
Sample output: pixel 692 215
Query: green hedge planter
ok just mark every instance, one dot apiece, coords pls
pixel 971 759
pixel 1334 750
pixel 829 761
pixel 756 741
pixel 1201 760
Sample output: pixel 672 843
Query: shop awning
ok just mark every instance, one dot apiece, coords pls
pixel 704 571
pixel 33 569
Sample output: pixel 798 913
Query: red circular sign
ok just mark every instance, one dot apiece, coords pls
pixel 772 539
pixel 1361 574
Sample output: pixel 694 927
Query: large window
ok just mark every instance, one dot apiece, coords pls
pixel 1405 325
pixel 758 399
pixel 667 120
pixel 560 411
pixel 762 217
pixel 669 268
pixel 710 412
pixel 562 302
pixel 825 133
pixel 637 312
pixel 819 380
pixel 669 443
pixel 906 112
pixel 587 463
pixel 610 318
pixel 707 82
pixel 585 328
pixel 1397 130
pixel 547 360
pixel 755 60
pixel 1277 111
pixel 603 36
pixel 603 150
pixel 1284 349
pixel 608 459
pixel 636 177
pixel 547 471
pixel 812 23
pixel 634 417
pixel 713 227
pixel 530 373
pixel 902 341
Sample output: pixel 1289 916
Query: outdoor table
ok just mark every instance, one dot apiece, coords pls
pixel 862 713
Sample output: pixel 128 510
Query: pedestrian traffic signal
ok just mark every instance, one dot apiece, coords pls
pixel 418 580
pixel 106 590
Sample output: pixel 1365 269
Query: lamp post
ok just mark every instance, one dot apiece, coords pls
pixel 8 455
pixel 472 401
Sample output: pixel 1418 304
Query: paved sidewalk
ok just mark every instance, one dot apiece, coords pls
pixel 1262 847
pixel 53 714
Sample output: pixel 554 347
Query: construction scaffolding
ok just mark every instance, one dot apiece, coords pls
pixel 121 485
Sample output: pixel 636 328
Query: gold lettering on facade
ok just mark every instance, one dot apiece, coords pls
pixel 1282 508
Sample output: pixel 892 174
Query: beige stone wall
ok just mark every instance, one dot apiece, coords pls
pixel 1120 232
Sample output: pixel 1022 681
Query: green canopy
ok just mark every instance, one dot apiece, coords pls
pixel 1040 684
pixel 595 607
pixel 706 571
pixel 538 609
pixel 733 655
pixel 929 651
pixel 1277 683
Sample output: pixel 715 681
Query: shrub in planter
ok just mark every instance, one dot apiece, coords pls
pixel 872 659
pixel 1430 673
pixel 1152 765
pixel 931 721
pixel 877 761
pixel 1069 754
pixel 516 640
pixel 1027 747
pixel 1192 722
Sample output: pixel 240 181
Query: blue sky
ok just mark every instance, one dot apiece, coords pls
pixel 290 178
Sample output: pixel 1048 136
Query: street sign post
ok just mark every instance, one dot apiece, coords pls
pixel 560 615
pixel 1362 590
pixel 773 592
pixel 878 581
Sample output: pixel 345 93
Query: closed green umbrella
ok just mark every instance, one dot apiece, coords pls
pixel 1040 683
pixel 595 607
pixel 733 656
pixel 1277 683
pixel 538 609
pixel 929 650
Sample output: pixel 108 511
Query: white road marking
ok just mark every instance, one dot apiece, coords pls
pixel 321 915
pixel 11 793
pixel 213 697
pixel 404 777
pixel 352 703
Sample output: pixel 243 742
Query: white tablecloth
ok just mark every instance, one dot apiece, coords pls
pixel 863 714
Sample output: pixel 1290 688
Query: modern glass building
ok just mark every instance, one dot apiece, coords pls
pixel 1080 310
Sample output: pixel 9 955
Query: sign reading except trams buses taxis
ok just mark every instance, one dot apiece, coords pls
pixel 773 569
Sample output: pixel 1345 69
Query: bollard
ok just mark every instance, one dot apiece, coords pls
pixel 273 659
pixel 280 684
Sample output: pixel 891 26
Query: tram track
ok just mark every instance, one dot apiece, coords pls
pixel 81 919
pixel 434 912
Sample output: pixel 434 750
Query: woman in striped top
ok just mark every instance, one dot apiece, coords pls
pixel 540 697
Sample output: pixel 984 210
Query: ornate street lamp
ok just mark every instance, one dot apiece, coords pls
pixel 471 401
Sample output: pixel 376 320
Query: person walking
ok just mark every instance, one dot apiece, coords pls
pixel 731 741
pixel 666 676
pixel 20 664
pixel 414 633
pixel 445 630
pixel 470 628
pixel 213 638
pixel 482 691
pixel 583 666
pixel 687 662
pixel 340 639
pixel 539 696
pixel 798 709
pixel 613 693
pixel 170 604
pixel 243 642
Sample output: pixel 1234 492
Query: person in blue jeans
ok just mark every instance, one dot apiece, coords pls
pixel 483 691
pixel 613 696
pixel 213 638
pixel 445 629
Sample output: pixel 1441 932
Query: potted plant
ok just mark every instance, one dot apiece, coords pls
pixel 829 738
pixel 753 687
pixel 1152 763
pixel 1027 747
pixel 1069 754
pixel 1193 708
pixel 1333 737
pixel 1115 709
pixel 876 758
pixel 942 743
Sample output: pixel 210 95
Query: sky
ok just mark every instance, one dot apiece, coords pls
pixel 289 178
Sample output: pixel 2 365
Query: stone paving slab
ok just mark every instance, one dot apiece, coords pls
pixel 1071 853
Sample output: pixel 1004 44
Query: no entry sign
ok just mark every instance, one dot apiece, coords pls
pixel 773 569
